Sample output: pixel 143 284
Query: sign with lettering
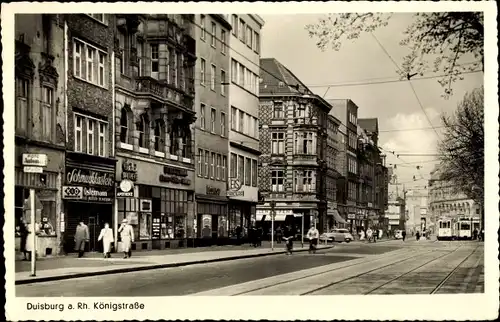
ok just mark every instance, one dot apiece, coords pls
pixel 213 191
pixel 235 186
pixel 87 177
pixel 174 175
pixel 240 193
pixel 129 171
pixel 35 160
pixel 156 228
pixel 125 189
pixel 351 216
pixel 90 194
pixel 72 192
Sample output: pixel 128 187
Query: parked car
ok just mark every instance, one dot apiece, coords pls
pixel 398 234
pixel 337 235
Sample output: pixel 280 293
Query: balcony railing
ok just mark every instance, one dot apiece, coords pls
pixel 151 86
pixel 305 157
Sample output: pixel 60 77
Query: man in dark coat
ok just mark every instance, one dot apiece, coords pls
pixel 81 237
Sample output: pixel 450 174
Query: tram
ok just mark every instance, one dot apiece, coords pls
pixel 457 228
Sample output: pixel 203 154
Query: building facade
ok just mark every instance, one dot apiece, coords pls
pixel 40 124
pixel 244 121
pixel 155 58
pixel 443 202
pixel 333 174
pixel 211 130
pixel 416 205
pixel 89 185
pixel 293 142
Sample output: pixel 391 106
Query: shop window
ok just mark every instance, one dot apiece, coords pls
pixel 20 195
pixel 145 226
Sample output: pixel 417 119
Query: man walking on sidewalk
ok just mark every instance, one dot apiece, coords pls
pixel 127 235
pixel 81 237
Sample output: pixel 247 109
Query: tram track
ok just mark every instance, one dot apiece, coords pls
pixel 335 269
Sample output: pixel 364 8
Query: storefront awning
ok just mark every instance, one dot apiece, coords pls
pixel 279 217
pixel 338 218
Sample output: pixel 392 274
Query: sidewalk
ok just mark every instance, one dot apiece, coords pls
pixel 93 264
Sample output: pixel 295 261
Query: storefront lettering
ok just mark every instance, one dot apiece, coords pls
pixel 129 171
pixel 94 193
pixel 213 191
pixel 173 179
pixel 175 171
pixel 79 176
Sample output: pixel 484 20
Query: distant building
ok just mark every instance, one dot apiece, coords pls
pixel 293 143
pixel 443 202
pixel 416 205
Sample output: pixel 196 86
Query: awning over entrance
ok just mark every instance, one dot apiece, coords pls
pixel 280 215
pixel 338 218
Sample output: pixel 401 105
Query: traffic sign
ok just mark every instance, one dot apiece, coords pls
pixel 33 169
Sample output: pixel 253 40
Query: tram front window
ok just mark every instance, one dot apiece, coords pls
pixel 465 226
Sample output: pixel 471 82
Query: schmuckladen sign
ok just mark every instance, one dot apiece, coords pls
pixel 89 185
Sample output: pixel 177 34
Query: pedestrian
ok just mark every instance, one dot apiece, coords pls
pixel 81 237
pixel 32 228
pixel 260 235
pixel 279 234
pixel 288 235
pixel 23 232
pixel 418 235
pixel 107 238
pixel 127 235
pixel 313 235
pixel 403 233
pixel 361 235
pixel 369 234
pixel 482 234
pixel 475 234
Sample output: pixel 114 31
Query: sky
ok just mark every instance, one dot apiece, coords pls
pixel 394 104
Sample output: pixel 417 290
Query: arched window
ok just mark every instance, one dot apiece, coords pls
pixel 124 126
pixel 143 129
pixel 159 136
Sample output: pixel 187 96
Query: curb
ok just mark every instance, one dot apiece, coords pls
pixel 149 267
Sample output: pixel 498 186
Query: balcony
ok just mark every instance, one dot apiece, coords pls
pixel 162 92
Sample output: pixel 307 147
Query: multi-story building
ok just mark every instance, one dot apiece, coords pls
pixel 40 123
pixel 416 205
pixel 395 214
pixel 155 58
pixel 293 142
pixel 444 202
pixel 333 175
pixel 89 186
pixel 347 112
pixel 212 36
pixel 244 121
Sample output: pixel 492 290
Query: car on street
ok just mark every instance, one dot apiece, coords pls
pixel 337 235
pixel 398 234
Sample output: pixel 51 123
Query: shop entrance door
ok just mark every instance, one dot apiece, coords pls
pixel 92 233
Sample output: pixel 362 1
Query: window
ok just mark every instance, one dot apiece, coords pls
pixel 277 180
pixel 249 37
pixel 142 128
pixel 98 16
pixel 90 63
pixel 202 71
pixel 304 181
pixel 234 166
pixel 78 133
pixel 248 171
pixel 212 165
pixel 78 68
pixel 47 108
pixel 256 128
pixel 202 116
pixel 212 120
pixel 234 71
pixel 245 123
pixel 200 162
pixel 175 70
pixel 124 126
pixel 222 124
pixel 214 34
pixel 254 173
pixel 234 118
pixel 207 156
pixel 241 28
pixel 249 124
pixel 139 56
pixel 242 122
pixel 202 23
pixel 256 42
pixel 101 69
pixel 241 75
pixel 304 143
pixel 278 112
pixel 159 136
pixel 241 169
pixel 278 143
pixel 218 172
pixel 90 136
pixel 223 40
pixel 22 99
pixel 234 24
pixel 213 71
pixel 155 61
pixel 223 168
pixel 223 82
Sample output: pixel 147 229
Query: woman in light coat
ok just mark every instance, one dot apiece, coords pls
pixel 107 238
pixel 127 236
pixel 30 248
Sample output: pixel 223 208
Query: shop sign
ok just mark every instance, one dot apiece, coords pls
pixel 125 189
pixel 129 171
pixel 90 194
pixel 351 216
pixel 235 186
pixel 156 228
pixel 34 160
pixel 33 169
pixel 212 191
pixel 283 213
pixel 72 192
pixel 173 175
pixel 235 193
pixel 88 177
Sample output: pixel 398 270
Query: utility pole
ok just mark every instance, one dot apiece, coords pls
pixel 273 214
